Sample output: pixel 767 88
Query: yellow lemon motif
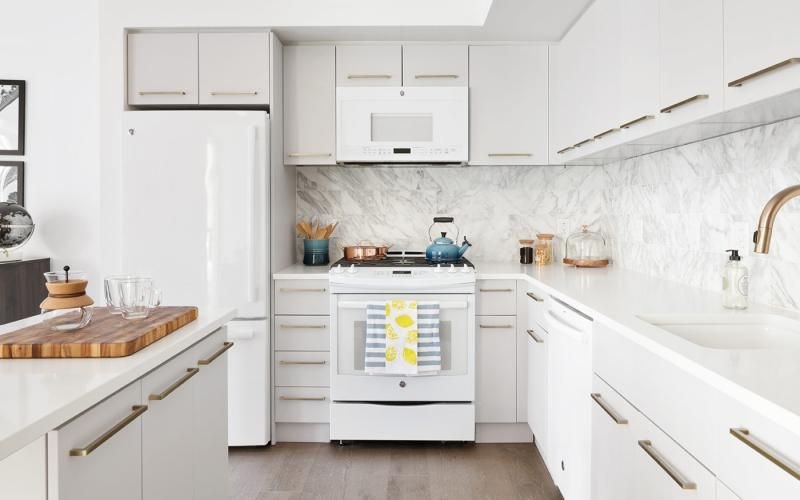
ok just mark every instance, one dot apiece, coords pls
pixel 388 309
pixel 399 304
pixel 390 333
pixel 391 353
pixel 409 356
pixel 412 336
pixel 412 305
pixel 404 321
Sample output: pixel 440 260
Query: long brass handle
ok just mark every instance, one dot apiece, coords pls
pixel 293 398
pixel 190 372
pixel 161 92
pixel 532 334
pixel 587 141
pixel 534 297
pixel 616 417
pixel 305 327
pixel 662 462
pixel 217 92
pixel 423 76
pixel 516 155
pixel 765 451
pixel 208 361
pixel 562 151
pixel 358 77
pixel 698 97
pixel 607 132
pixel 637 121
pixel 304 289
pixel 740 81
pixel 495 289
pixel 82 452
pixel 304 155
pixel 284 362
pixel 496 326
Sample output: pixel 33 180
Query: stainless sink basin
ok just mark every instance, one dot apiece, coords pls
pixel 731 331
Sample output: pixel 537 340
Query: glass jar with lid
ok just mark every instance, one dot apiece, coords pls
pixel 526 251
pixel 543 250
pixel 586 249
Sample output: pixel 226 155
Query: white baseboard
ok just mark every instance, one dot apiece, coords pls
pixel 302 433
pixel 503 433
pixel 320 433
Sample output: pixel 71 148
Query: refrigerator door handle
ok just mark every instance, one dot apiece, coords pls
pixel 252 243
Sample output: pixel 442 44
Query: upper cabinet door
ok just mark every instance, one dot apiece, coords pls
pixel 309 83
pixel 508 105
pixel 691 59
pixel 162 69
pixel 638 65
pixel 435 65
pixel 368 65
pixel 762 49
pixel 234 68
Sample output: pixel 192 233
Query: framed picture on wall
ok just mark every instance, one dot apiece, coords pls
pixel 12 117
pixel 12 182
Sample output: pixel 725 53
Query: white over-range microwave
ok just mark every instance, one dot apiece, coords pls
pixel 402 124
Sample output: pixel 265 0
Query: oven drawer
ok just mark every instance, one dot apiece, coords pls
pixel 303 369
pixel 307 405
pixel 302 297
pixel 427 422
pixel 302 333
pixel 496 298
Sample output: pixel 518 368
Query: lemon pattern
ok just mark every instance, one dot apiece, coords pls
pixel 401 336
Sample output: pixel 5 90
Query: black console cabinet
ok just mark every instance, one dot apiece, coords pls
pixel 22 288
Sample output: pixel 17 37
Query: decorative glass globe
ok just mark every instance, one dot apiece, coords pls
pixel 16 228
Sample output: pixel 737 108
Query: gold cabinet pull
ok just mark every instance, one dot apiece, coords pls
pixel 637 121
pixel 298 398
pixel 765 451
pixel 190 372
pixel 305 327
pixel 562 151
pixel 285 362
pixel 532 334
pixel 616 417
pixel 534 297
pixel 497 327
pixel 698 97
pixel 769 69
pixel 208 361
pixel 305 155
pixel 603 134
pixel 368 77
pixel 516 155
pixel 161 92
pixel 587 141
pixel 221 92
pixel 496 290
pixel 662 462
pixel 82 452
pixel 293 290
pixel 424 76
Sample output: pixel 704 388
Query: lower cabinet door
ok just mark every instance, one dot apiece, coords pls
pixel 537 386
pixel 210 429
pixel 496 372
pixel 23 474
pixel 98 454
pixel 612 444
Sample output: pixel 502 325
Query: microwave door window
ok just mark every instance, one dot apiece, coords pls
pixel 401 127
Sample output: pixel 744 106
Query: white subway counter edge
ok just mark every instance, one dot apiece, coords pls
pixel 41 394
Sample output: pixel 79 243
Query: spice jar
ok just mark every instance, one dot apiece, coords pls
pixel 526 252
pixel 543 250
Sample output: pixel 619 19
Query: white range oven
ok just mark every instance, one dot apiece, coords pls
pixel 428 406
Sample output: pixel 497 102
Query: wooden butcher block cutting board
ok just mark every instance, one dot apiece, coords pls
pixel 107 336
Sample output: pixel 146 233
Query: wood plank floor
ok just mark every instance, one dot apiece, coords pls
pixel 416 471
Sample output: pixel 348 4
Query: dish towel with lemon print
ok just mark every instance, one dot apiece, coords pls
pixel 402 338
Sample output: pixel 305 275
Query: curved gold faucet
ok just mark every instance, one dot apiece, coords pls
pixel 763 234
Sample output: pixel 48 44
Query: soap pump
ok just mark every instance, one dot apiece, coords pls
pixel 734 282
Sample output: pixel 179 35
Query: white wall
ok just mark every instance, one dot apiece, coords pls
pixel 53 46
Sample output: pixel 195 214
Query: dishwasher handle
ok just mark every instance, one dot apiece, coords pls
pixel 560 325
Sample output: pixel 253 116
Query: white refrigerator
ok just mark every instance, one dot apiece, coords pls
pixel 195 218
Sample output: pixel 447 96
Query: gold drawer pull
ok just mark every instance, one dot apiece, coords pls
pixel 534 297
pixel 532 334
pixel 568 148
pixel 496 290
pixel 587 141
pixel 506 327
pixel 421 77
pixel 161 92
pixel 517 155
pixel 305 327
pixel 217 92
pixel 284 362
pixel 637 121
pixel 82 452
pixel 305 155
pixel 765 451
pixel 662 462
pixel 190 372
pixel 291 290
pixel 603 134
pixel 298 398
pixel 208 361
pixel 698 97
pixel 620 420
pixel 369 77
pixel 739 81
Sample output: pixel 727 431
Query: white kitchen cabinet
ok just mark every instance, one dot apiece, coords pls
pixel 210 424
pixel 309 82
pixel 496 298
pixel 508 105
pixel 369 66
pixel 537 400
pixel 23 474
pixel 762 49
pixel 98 454
pixel 234 68
pixel 162 69
pixel 435 65
pixel 690 56
pixel 496 374
pixel 724 493
pixel 302 333
pixel 307 405
pixel 302 297
pixel 612 443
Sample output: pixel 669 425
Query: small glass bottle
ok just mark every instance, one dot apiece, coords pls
pixel 543 250
pixel 526 252
pixel 735 279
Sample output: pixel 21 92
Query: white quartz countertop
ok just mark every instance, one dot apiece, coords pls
pixel 302 272
pixel 38 395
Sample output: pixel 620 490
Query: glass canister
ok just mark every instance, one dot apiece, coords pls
pixel 67 307
pixel 586 249
pixel 543 250
pixel 526 251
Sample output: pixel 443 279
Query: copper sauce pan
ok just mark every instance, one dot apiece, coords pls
pixel 365 252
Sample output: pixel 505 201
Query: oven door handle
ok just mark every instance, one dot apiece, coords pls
pixel 347 304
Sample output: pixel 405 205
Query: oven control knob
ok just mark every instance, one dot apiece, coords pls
pixel 465 269
pixel 338 269
pixel 402 383
pixel 352 269
pixel 452 268
pixel 438 268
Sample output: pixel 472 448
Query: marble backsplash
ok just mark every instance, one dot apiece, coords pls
pixel 669 214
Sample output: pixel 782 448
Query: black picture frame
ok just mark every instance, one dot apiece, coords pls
pixel 20 95
pixel 7 168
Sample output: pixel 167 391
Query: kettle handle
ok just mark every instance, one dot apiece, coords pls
pixel 446 220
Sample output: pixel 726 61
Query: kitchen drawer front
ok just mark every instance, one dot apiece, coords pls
pixel 302 369
pixel 536 309
pixel 302 297
pixel 496 298
pixel 306 405
pixel 302 333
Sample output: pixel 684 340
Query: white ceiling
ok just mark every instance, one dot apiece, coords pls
pixel 443 20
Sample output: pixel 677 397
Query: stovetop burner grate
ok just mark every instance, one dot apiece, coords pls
pixel 400 259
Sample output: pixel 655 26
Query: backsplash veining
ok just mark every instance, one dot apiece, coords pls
pixel 669 214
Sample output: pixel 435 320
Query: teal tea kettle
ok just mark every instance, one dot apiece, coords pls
pixel 442 249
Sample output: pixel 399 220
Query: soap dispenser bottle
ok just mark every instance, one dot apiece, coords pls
pixel 734 282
